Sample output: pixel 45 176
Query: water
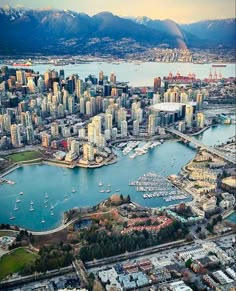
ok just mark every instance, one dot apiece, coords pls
pixel 232 217
pixel 217 135
pixel 36 180
pixel 138 75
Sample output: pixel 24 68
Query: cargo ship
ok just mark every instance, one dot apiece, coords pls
pixel 22 64
pixel 218 66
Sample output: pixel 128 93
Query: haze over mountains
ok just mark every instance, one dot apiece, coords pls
pixel 69 32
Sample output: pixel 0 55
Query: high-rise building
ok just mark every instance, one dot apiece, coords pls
pixel 189 115
pixel 46 139
pixel 184 97
pixel 199 99
pixel 157 84
pixel 108 121
pixel 88 152
pixel 31 85
pixel 21 77
pixel 151 124
pixel 181 126
pixel 71 104
pixel 112 78
pixel 40 84
pixel 156 99
pixel 136 127
pixel 200 120
pixel 100 78
pixel 79 88
pixel 54 129
pixel 7 122
pixel 15 135
pixel 121 116
pixel 47 76
pixel 29 134
pixel 124 128
pixel 88 108
pixel 56 88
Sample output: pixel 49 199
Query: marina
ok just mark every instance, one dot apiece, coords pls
pixel 154 185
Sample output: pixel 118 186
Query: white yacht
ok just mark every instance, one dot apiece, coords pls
pixel 52 207
pixel 42 221
pixel 17 200
pixel 16 208
pixel 31 208
pixel 31 202
pixel 73 190
pixel 11 217
pixel 21 193
pixel 100 184
pixel 46 195
pixel 52 213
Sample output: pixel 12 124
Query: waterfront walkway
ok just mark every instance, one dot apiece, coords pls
pixel 201 145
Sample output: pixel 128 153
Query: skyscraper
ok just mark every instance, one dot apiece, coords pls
pixel 189 115
pixel 15 135
pixel 151 124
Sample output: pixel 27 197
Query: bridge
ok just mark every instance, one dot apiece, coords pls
pixel 201 145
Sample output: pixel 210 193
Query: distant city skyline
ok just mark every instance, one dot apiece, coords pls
pixel 181 11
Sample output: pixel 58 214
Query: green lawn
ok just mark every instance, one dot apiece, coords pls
pixel 15 262
pixel 25 156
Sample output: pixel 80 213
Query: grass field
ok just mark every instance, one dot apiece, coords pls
pixel 25 156
pixel 15 262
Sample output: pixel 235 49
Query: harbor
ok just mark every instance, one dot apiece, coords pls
pixel 155 185
pixel 58 182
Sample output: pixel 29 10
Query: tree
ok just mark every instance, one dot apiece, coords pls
pixel 219 218
pixel 188 263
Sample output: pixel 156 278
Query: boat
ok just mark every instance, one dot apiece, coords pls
pixel 73 190
pixel 12 217
pixel 117 190
pixel 16 208
pixel 108 191
pixel 31 202
pixel 100 184
pixel 31 208
pixel 109 185
pixel 66 196
pixel 21 193
pixel 42 221
pixel 22 64
pixel 46 206
pixel 52 207
pixel 17 200
pixel 46 195
pixel 45 201
pixel 102 191
pixel 52 213
pixel 219 66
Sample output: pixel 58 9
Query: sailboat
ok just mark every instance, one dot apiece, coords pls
pixel 42 221
pixel 73 190
pixel 11 217
pixel 46 195
pixel 16 208
pixel 52 207
pixel 66 197
pixel 52 213
pixel 17 200
pixel 31 202
pixel 31 207
pixel 100 184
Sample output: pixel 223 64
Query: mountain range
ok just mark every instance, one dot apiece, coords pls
pixel 68 32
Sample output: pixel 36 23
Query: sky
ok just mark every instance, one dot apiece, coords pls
pixel 181 11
